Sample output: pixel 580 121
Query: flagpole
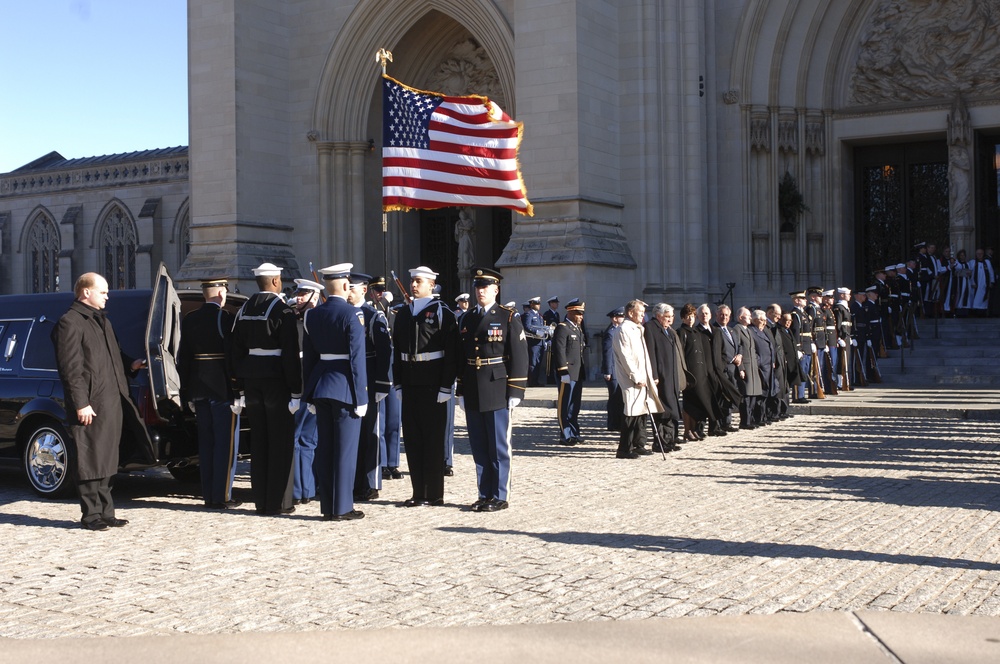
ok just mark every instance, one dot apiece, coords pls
pixel 383 56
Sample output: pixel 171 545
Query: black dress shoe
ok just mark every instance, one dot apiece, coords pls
pixel 449 471
pixel 627 455
pixel 748 426
pixel 353 515
pixel 716 432
pixel 494 505
pixel 642 451
pixel 478 505
pixel 96 524
pixel 283 510
pixel 365 496
pixel 437 502
pixel 393 472
pixel 731 429
pixel 116 523
pixel 416 502
pixel 569 442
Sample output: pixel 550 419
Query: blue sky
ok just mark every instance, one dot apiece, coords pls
pixel 91 77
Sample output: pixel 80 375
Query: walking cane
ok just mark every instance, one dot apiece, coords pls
pixel 656 435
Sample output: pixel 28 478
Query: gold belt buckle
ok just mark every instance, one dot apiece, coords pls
pixel 479 363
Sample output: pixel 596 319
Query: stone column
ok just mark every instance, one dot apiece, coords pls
pixel 325 204
pixel 961 202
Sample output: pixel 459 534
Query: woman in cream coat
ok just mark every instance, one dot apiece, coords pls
pixel 635 379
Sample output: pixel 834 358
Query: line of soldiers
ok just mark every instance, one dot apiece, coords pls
pixel 312 431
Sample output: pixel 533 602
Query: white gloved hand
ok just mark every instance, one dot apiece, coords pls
pixel 191 406
pixel 444 395
pixel 460 401
pixel 799 353
pixel 361 411
pixel 841 343
pixel 293 406
pixel 380 395
pixel 564 379
pixel 311 408
pixel 854 342
pixel 813 349
pixel 238 405
pixel 512 403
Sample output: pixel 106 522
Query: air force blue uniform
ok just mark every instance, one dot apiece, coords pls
pixel 333 359
pixel 536 332
pixel 378 356
pixel 494 369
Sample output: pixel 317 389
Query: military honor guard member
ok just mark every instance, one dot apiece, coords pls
pixel 306 297
pixel 267 370
pixel 567 359
pixel 207 386
pixel 424 339
pixel 551 319
pixel 802 334
pixel 378 357
pixel 333 359
pixel 845 337
pixel 537 334
pixel 616 406
pixel 491 381
pixel 461 304
pixel 389 408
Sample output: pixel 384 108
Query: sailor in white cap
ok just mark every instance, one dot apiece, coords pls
pixel 424 339
pixel 307 296
pixel 461 304
pixel 268 376
pixel 537 334
pixel 333 361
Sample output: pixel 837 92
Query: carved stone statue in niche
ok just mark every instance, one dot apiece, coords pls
pixel 928 49
pixel 960 172
pixel 467 70
pixel 465 236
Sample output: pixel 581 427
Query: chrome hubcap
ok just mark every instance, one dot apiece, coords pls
pixel 46 460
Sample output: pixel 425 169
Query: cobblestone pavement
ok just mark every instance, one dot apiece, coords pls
pixel 817 513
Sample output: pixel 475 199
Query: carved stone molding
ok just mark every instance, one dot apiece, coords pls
pixel 928 49
pixel 788 135
pixel 731 96
pixel 467 69
pixel 760 133
pixel 815 138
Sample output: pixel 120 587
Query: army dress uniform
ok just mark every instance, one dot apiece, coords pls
pixel 423 367
pixel 802 335
pixel 567 356
pixel 333 359
pixel 205 382
pixel 378 356
pixel 491 380
pixel 267 372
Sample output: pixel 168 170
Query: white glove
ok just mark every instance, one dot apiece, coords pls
pixel 799 353
pixel 564 379
pixel 512 403
pixel 293 406
pixel 380 395
pixel 444 395
pixel 311 408
pixel 238 405
pixel 814 349
pixel 461 402
pixel 841 343
pixel 361 411
pixel 869 343
pixel 854 342
pixel 191 406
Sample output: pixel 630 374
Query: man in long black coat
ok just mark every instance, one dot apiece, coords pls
pixel 666 357
pixel 92 370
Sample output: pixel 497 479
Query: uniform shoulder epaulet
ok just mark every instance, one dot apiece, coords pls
pixel 509 310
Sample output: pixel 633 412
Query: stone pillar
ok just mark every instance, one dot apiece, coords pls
pixel 356 203
pixel 325 155
pixel 961 202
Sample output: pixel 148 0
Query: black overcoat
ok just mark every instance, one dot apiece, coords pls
pixel 664 354
pixel 92 370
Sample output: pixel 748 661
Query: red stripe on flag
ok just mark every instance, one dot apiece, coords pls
pixel 455 169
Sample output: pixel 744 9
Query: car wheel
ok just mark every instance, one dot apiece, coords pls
pixel 49 460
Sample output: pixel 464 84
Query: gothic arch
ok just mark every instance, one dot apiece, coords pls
pixel 40 246
pixel 350 74
pixel 39 211
pixel 116 239
pixel 180 235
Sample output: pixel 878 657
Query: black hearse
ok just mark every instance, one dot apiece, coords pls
pixel 147 323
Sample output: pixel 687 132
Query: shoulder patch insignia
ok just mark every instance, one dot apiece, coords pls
pixel 522 335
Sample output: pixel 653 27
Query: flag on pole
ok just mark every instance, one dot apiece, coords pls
pixel 440 151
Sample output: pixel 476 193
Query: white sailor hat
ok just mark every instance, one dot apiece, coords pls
pixel 267 270
pixel 535 300
pixel 872 289
pixel 464 297
pixel 890 267
pixel 900 266
pixel 844 290
pixel 510 305
pixel 828 293
pixel 308 285
pixel 423 271
pixel 338 271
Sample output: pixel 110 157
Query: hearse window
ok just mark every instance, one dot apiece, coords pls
pixel 38 350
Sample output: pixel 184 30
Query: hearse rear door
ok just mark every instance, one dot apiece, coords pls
pixel 163 338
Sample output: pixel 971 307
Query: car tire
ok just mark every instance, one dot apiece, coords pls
pixel 49 460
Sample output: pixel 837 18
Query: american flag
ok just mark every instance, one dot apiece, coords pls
pixel 440 151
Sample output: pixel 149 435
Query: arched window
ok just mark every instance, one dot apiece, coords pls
pixel 184 238
pixel 117 246
pixel 42 251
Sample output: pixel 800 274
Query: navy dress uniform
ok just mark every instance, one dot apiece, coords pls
pixel 206 383
pixel 491 381
pixel 423 366
pixel 267 370
pixel 567 355
pixel 378 355
pixel 333 359
pixel 389 408
pixel 303 478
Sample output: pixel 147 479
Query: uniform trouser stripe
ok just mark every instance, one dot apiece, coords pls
pixel 489 440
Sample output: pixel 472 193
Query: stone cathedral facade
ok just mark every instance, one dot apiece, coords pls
pixel 663 142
